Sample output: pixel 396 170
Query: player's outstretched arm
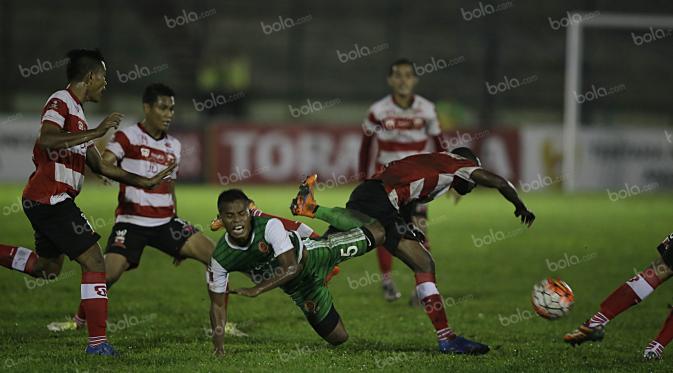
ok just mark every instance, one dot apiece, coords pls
pixel 218 319
pixel 107 168
pixel 287 271
pixel 53 137
pixel 491 180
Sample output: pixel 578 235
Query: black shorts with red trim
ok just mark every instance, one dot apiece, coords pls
pixel 60 229
pixel 371 199
pixel 129 240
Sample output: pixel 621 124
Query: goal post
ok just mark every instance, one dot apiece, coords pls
pixel 577 21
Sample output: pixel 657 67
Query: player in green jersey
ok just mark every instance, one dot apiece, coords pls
pixel 273 257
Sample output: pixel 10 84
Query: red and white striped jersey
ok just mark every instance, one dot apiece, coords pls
pixel 59 173
pixel 141 154
pixel 400 132
pixel 423 177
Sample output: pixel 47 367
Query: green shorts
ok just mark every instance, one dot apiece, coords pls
pixel 308 290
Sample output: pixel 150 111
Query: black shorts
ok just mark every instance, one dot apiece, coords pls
pixel 60 229
pixel 129 240
pixel 414 209
pixel 371 199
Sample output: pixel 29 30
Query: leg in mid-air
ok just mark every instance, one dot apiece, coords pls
pixel 411 252
pixel 627 295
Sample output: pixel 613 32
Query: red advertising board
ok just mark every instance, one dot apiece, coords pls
pixel 286 153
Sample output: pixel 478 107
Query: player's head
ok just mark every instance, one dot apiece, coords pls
pixel 87 67
pixel 459 184
pixel 233 208
pixel 402 77
pixel 158 106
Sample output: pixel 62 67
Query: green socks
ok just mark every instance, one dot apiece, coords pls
pixel 341 218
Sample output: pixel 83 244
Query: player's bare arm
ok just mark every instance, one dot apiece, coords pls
pixel 218 319
pixel 491 180
pixel 288 268
pixel 110 170
pixel 53 137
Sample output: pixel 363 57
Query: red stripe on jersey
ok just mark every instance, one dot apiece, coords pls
pixel 394 146
pixel 121 138
pixel 399 175
pixel 373 119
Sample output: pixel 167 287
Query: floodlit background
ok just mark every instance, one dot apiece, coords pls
pixel 570 100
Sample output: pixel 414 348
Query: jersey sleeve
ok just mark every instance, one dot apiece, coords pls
pixel 289 225
pixel 118 145
pixel 55 111
pixel 432 126
pixel 217 277
pixel 466 171
pixel 276 235
pixel 178 158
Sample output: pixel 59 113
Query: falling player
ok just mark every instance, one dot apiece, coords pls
pixel 64 145
pixel 401 123
pixel 274 257
pixel 629 294
pixel 144 216
pixel 420 177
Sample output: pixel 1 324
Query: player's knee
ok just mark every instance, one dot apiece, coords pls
pixel 338 336
pixel 378 233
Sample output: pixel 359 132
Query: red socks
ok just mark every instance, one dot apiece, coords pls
pixel 94 305
pixel 433 305
pixel 18 258
pixel 666 333
pixel 385 261
pixel 625 296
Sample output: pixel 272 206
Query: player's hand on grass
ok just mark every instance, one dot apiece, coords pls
pixel 246 292
pixel 111 121
pixel 158 178
pixel 526 216
pixel 218 351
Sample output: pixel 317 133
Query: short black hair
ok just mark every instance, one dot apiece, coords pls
pixel 82 62
pixel 231 195
pixel 466 152
pixel 400 62
pixel 154 90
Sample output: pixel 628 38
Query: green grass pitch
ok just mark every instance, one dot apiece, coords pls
pixel 486 267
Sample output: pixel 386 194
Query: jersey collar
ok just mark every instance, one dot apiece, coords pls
pixel 163 136
pixel 234 246
pixel 73 96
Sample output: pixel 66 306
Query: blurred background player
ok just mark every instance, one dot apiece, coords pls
pixel 144 216
pixel 629 294
pixel 400 125
pixel 63 147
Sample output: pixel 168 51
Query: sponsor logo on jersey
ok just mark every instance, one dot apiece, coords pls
pixel 263 247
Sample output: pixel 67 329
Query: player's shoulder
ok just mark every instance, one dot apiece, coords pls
pixel 132 133
pixel 62 95
pixel 174 141
pixel 382 104
pixel 424 103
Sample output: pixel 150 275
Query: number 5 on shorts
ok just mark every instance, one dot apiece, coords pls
pixel 350 251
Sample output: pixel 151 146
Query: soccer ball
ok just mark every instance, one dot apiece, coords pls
pixel 552 299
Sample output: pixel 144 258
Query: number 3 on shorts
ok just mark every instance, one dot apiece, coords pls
pixel 349 251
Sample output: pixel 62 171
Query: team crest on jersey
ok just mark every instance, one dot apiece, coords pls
pixel 310 307
pixel 145 152
pixel 264 248
pixel 120 238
